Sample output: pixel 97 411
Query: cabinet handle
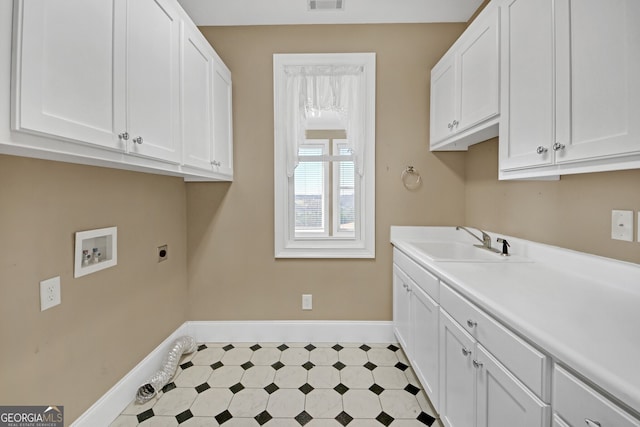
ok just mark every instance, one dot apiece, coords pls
pixel 471 323
pixel 592 423
pixel 455 123
pixel 541 149
pixel 477 364
pixel 138 140
pixel 215 163
pixel 465 352
pixel 124 136
pixel 450 126
pixel 557 146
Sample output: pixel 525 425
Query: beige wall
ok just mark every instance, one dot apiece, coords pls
pixel 108 321
pixel 574 212
pixel 232 270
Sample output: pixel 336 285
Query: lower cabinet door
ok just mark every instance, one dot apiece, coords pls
pixel 457 375
pixel 502 400
pixel 425 313
pixel 401 309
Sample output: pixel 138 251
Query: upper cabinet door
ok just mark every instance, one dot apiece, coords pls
pixel 527 79
pixel 443 100
pixel 153 41
pixel 479 78
pixel 597 84
pixel 222 119
pixel 66 54
pixel 197 99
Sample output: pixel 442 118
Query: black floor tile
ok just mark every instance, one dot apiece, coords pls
pixel 425 418
pixel 184 416
pixel 384 418
pixel 145 415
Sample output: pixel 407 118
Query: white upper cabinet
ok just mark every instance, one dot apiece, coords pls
pixel 132 84
pixel 152 79
pixel 197 100
pixel 222 119
pixel 69 72
pixel 570 92
pixel 465 87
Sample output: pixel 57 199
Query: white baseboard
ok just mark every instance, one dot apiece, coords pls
pixel 111 404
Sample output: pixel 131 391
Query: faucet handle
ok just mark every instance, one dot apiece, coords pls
pixel 505 246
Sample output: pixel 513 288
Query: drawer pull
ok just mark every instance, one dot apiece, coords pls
pixel 471 323
pixel 592 423
pixel 477 364
pixel 465 352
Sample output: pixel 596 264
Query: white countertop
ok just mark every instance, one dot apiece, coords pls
pixel 581 309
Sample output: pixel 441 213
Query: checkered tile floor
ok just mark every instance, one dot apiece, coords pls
pixel 292 384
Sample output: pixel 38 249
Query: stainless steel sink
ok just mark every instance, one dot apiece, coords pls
pixel 461 252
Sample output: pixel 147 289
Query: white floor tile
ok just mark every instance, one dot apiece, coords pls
pixel 324 377
pixel 159 421
pixel 248 402
pixel 290 377
pixel 237 356
pixel 323 356
pixel 356 377
pixel 211 402
pixel 390 378
pixel 125 421
pixel 361 404
pixel 282 422
pixel 323 403
pixel 353 356
pixel 208 356
pixel 266 356
pixel 258 376
pixel 400 404
pixel 295 356
pixel 175 401
pixel 200 422
pixel 135 408
pixel 324 423
pixel 286 403
pixel 193 376
pixel 382 357
pixel 226 376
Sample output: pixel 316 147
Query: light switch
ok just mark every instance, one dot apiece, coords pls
pixel 622 225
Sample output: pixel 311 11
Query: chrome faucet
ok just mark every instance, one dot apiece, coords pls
pixel 486 239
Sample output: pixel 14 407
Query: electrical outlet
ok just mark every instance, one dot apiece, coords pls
pixel 163 253
pixel 307 301
pixel 50 293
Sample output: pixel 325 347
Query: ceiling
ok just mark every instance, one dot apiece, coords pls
pixel 281 12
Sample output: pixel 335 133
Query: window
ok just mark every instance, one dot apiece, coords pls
pixel 324 155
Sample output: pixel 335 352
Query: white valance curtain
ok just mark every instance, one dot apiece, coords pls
pixel 311 90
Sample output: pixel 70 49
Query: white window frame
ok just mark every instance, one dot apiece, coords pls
pixel 363 244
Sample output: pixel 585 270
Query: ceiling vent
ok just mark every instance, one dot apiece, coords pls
pixel 326 4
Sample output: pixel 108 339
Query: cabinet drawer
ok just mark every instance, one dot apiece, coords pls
pixel 575 402
pixel 424 279
pixel 528 364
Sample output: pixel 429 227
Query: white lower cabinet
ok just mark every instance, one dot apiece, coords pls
pixel 575 404
pixel 477 390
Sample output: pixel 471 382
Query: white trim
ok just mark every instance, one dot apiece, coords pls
pixel 363 246
pixel 112 403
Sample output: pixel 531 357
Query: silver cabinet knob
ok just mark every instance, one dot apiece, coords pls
pixel 138 140
pixel 541 149
pixel 124 136
pixel 592 423
pixel 450 126
pixel 455 123
pixel 465 351
pixel 215 163
pixel 471 323
pixel 557 146
pixel 477 364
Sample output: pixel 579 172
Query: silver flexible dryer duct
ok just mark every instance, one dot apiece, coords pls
pixel 182 345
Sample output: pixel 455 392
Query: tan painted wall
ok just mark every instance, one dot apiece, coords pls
pixel 108 321
pixel 232 270
pixel 574 212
